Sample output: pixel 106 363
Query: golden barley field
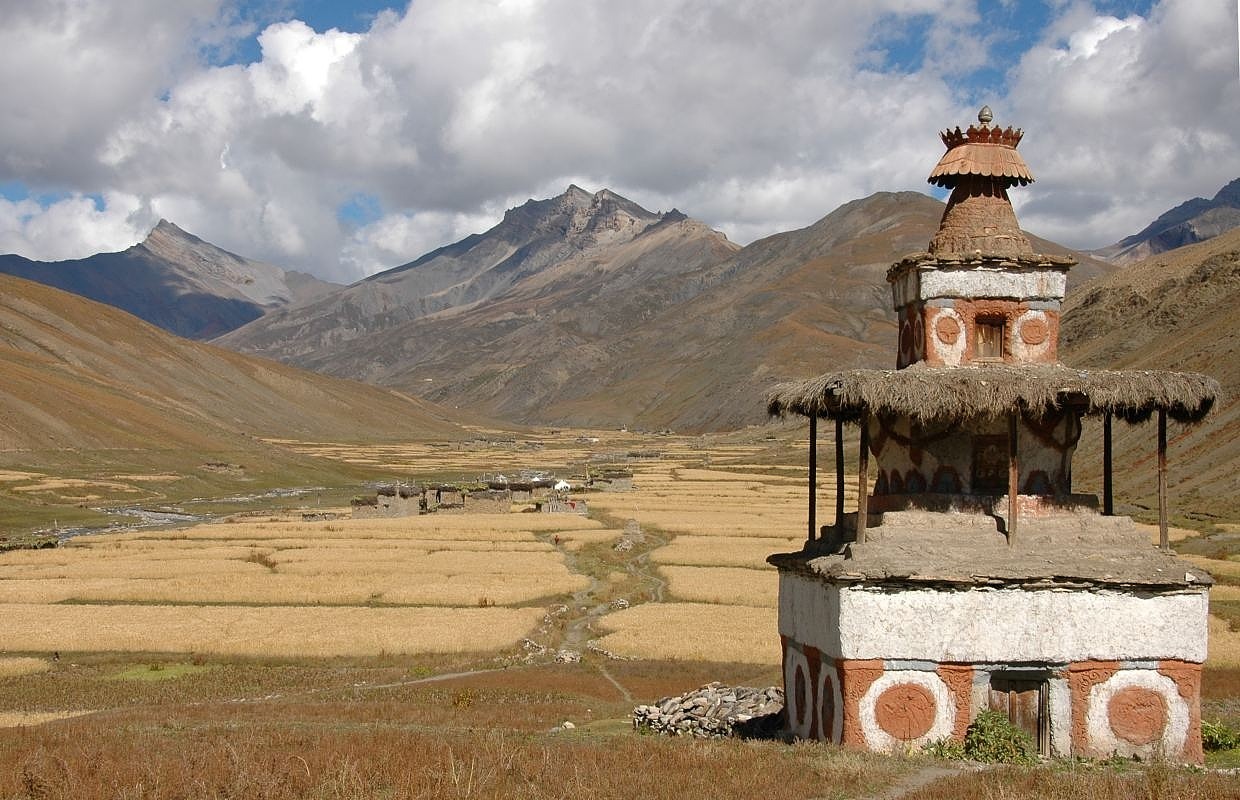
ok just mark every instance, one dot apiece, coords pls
pixel 272 585
pixel 694 632
pixel 22 665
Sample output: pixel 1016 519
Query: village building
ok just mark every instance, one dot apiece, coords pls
pixel 972 576
pixel 394 500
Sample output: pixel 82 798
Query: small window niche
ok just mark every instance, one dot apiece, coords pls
pixel 990 336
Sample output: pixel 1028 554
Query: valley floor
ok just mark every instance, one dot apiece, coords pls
pixel 271 655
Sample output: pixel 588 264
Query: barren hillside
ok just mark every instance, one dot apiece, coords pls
pixel 1176 310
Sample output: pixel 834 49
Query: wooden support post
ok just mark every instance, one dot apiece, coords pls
pixel 863 478
pixel 1013 475
pixel 1162 480
pixel 1108 492
pixel 813 478
pixel 839 475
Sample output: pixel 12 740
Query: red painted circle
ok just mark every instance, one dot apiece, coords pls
pixel 947 329
pixel 1137 715
pixel 1034 331
pixel 905 711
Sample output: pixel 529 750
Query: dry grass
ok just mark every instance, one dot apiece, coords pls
pixel 153 568
pixel 1225 592
pixel 694 632
pixel 24 719
pixel 15 476
pixel 727 551
pixel 491 527
pixel 54 484
pixel 1216 566
pixel 85 567
pixel 575 540
pixel 1224 644
pixel 429 589
pixel 1173 534
pixel 1068 782
pixel 263 632
pixel 741 480
pixel 22 665
pixel 86 760
pixel 724 585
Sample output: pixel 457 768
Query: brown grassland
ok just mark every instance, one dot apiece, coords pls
pixel 268 656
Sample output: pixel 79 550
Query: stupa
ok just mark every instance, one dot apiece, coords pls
pixel 971 576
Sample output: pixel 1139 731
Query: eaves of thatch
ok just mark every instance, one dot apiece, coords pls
pixel 995 390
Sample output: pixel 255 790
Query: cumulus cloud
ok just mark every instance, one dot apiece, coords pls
pixel 755 117
pixel 73 226
pixel 1127 116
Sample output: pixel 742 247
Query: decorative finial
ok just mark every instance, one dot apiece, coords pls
pixel 985 116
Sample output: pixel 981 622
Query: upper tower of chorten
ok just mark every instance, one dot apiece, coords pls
pixel 979 166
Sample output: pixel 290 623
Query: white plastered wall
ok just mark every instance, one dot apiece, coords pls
pixel 988 625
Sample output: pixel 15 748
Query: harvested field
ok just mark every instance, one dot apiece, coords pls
pixel 22 665
pixel 1224 646
pixel 351 589
pixel 724 585
pixel 263 632
pixel 23 719
pixel 276 586
pixel 206 564
pixel 575 540
pixel 727 551
pixel 694 632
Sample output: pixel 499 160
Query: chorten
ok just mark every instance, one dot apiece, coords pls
pixel 972 576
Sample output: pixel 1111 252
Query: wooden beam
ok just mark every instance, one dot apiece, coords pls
pixel 1162 480
pixel 1013 475
pixel 813 478
pixel 863 478
pixel 839 475
pixel 1108 492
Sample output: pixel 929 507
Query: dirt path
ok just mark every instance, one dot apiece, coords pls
pixel 914 781
pixel 602 596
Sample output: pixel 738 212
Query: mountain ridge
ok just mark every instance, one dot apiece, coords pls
pixel 575 230
pixel 1192 221
pixel 175 280
pixel 670 326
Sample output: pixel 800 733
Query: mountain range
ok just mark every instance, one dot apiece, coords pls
pixel 587 309
pixel 1190 222
pixel 584 309
pixel 176 281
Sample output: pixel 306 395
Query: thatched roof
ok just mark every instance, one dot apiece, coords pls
pixel 944 393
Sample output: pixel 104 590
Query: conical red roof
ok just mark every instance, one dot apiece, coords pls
pixel 984 151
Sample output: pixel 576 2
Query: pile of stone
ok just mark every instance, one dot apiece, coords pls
pixel 715 711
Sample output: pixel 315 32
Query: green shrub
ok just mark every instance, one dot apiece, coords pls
pixel 1219 736
pixel 991 738
pixel 945 748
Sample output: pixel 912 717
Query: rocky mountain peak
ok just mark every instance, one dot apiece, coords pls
pixel 1192 221
pixel 168 242
pixel 1229 195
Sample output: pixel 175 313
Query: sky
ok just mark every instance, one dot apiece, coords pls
pixel 343 138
